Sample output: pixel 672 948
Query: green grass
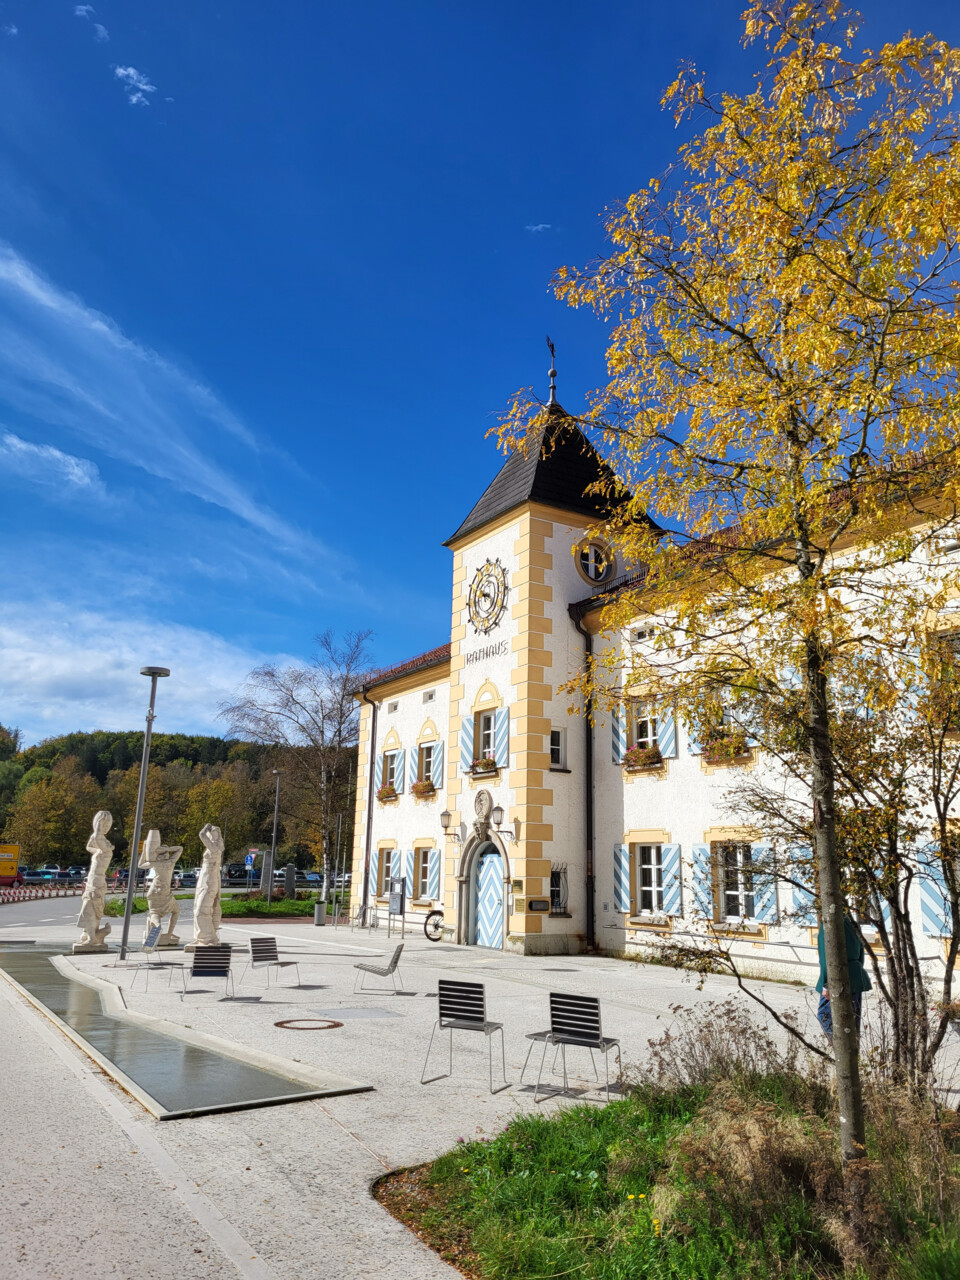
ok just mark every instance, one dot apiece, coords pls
pixel 628 1192
pixel 260 907
pixel 115 906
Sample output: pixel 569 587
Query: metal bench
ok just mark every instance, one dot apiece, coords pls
pixel 463 1007
pixel 210 962
pixel 379 971
pixel 574 1020
pixel 263 955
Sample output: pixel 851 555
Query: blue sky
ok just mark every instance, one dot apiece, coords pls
pixel 267 276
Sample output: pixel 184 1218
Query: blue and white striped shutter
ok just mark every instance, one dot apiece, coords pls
pixel 621 877
pixel 374 868
pixel 408 873
pixel 436 768
pixel 934 904
pixel 804 903
pixel 693 746
pixel 398 772
pixel 378 772
pixel 466 744
pixel 667 736
pixel 672 880
pixel 501 737
pixel 702 879
pixel 618 728
pixel 764 887
pixel 414 764
pixel 433 875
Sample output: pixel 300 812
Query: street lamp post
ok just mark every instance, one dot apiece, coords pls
pixel 266 878
pixel 155 674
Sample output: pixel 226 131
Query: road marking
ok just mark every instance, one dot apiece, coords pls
pixel 222 1232
pixel 49 920
pixel 310 942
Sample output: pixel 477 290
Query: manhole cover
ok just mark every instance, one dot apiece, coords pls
pixel 308 1024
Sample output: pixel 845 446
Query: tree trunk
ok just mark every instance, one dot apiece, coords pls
pixel 833 908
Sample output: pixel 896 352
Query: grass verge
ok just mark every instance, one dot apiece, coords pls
pixel 721 1163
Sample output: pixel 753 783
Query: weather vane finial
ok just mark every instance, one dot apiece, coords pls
pixel 553 372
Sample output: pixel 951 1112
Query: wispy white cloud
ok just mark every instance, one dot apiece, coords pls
pixel 11 29
pixel 44 465
pixel 539 226
pixel 84 10
pixel 69 366
pixel 64 669
pixel 100 33
pixel 136 84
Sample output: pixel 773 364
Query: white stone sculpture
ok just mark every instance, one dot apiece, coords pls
pixel 206 905
pixel 94 934
pixel 161 859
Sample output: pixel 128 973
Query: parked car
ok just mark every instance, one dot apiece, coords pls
pixel 188 879
pixel 12 882
pixel 312 878
pixel 77 874
pixel 35 875
pixel 235 871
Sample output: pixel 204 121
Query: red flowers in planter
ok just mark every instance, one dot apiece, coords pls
pixel 387 792
pixel 485 764
pixel 422 788
pixel 730 747
pixel 642 757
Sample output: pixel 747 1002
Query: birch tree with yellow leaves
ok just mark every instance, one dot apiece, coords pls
pixel 782 393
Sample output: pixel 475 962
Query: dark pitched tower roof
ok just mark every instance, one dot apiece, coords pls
pixel 557 474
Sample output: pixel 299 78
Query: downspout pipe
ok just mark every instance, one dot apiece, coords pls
pixel 576 613
pixel 371 788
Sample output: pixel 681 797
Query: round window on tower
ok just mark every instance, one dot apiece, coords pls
pixel 595 562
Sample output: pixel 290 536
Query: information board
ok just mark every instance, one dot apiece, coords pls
pixel 9 859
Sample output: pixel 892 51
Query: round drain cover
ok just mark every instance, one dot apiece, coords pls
pixel 308 1024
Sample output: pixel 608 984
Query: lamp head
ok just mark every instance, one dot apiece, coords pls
pixel 497 815
pixel 445 819
pixel 154 671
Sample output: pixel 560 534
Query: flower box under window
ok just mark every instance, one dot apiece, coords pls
pixel 637 758
pixel 727 749
pixel 485 764
pixel 387 792
pixel 423 788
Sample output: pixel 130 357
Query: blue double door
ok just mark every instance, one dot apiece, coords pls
pixel 489 903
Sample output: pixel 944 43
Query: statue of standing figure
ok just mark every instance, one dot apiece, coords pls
pixel 93 938
pixel 206 905
pixel 161 859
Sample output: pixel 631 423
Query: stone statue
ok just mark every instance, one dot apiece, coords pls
pixel 161 859
pixel 94 934
pixel 206 905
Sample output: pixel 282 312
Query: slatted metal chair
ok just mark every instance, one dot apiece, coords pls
pixel 463 1007
pixel 263 955
pixel 574 1020
pixel 148 956
pixel 379 971
pixel 210 962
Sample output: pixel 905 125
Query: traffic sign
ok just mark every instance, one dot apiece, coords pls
pixel 9 859
pixel 249 860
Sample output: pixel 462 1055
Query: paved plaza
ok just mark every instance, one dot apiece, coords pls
pixel 95 1187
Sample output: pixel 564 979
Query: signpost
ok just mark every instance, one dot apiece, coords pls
pixel 248 863
pixel 397 905
pixel 9 861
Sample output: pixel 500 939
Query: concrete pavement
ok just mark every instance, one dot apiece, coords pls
pixel 283 1191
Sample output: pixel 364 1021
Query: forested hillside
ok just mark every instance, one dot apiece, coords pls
pixel 49 793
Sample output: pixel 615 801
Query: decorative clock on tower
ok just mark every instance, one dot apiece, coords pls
pixel 488 596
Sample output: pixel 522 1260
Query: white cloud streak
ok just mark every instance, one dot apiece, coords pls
pixel 136 84
pixel 84 10
pixel 100 33
pixel 539 226
pixel 67 365
pixel 44 465
pixel 65 669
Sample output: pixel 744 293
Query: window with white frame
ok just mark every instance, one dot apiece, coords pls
pixel 647 878
pixel 384 871
pixel 421 873
pixel 733 868
pixel 642 728
pixel 425 761
pixel 558 748
pixel 484 736
pixel 389 778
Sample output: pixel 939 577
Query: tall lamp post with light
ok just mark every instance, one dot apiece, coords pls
pixel 155 673
pixel 266 877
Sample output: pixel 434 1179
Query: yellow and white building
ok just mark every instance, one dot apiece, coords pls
pixel 518 820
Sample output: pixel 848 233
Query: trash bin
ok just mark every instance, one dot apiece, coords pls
pixel 320 913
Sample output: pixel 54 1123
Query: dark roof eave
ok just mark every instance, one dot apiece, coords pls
pixel 466 529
